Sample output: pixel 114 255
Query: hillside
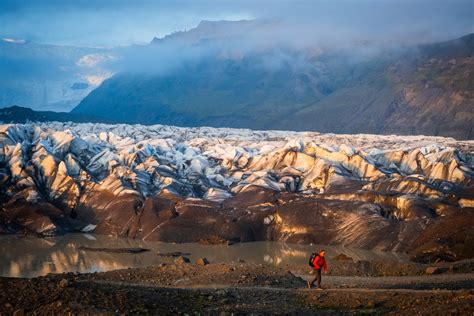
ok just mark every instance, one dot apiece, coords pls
pixel 425 89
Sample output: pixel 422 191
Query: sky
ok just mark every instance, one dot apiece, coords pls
pixel 109 23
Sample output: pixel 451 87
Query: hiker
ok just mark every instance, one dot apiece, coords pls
pixel 317 261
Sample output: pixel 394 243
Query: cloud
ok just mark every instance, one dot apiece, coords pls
pixel 96 80
pixel 273 29
pixel 123 22
pixel 93 60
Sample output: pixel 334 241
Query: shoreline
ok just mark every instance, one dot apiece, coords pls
pixel 32 257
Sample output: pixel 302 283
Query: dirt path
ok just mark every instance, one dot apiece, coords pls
pixel 422 282
pixel 435 283
pixel 240 288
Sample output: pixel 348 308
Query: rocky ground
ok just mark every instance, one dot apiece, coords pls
pixel 234 288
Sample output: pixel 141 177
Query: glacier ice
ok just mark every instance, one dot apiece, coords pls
pixel 374 191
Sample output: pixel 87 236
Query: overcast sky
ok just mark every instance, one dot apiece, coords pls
pixel 106 23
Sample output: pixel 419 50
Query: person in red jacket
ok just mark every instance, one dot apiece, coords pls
pixel 319 262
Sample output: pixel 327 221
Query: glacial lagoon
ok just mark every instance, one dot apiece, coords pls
pixel 31 256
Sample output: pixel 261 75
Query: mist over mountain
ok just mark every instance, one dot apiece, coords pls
pixel 112 23
pixel 254 74
pixel 49 77
pixel 260 74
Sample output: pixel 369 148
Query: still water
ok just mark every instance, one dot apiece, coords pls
pixel 31 256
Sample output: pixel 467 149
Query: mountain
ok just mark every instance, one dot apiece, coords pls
pixel 429 90
pixel 360 88
pixel 48 77
pixel 218 31
pixel 18 114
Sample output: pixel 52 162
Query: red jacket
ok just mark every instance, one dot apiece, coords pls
pixel 320 262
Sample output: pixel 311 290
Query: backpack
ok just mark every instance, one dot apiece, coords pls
pixel 311 259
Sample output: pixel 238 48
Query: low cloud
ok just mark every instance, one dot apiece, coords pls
pixel 279 32
pixel 109 23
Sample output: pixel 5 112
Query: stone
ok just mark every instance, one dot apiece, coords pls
pixel 435 270
pixel 64 283
pixel 181 260
pixel 173 267
pixel 202 261
pixel 19 312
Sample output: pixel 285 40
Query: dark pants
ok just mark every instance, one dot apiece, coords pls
pixel 316 277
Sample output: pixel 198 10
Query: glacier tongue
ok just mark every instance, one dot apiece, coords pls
pixel 87 169
pixel 147 159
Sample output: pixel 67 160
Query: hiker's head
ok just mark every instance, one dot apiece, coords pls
pixel 322 252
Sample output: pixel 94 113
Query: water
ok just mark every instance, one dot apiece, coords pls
pixel 31 256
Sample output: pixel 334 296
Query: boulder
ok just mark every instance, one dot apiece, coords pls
pixel 435 270
pixel 202 261
pixel 64 283
pixel 181 260
pixel 19 312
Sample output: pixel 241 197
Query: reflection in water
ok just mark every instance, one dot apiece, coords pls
pixel 30 256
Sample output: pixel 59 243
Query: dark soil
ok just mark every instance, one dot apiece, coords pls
pixel 238 288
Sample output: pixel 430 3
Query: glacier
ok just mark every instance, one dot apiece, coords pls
pixel 212 185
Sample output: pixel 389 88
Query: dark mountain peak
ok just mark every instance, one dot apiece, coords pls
pixel 20 114
pixel 206 25
pixel 15 109
pixel 216 30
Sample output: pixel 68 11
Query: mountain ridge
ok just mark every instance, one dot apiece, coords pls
pixel 19 114
pixel 424 89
